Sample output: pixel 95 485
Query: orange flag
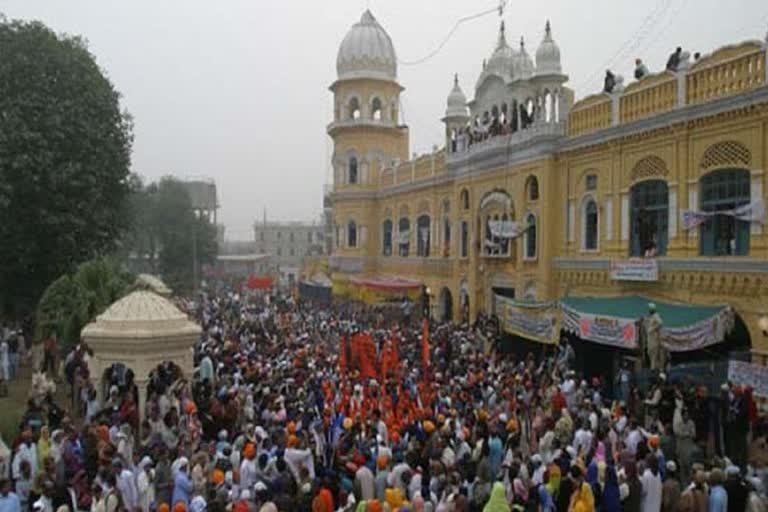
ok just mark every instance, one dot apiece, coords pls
pixel 425 346
pixel 367 357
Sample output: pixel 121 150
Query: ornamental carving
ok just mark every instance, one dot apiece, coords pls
pixel 726 153
pixel 649 167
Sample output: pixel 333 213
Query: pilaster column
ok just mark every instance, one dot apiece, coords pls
pixel 141 386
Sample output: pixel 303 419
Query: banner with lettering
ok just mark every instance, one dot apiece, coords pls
pixel 635 269
pixel 534 321
pixel 750 212
pixel 608 330
pixel 505 228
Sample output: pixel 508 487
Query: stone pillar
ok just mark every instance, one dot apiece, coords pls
pixel 141 386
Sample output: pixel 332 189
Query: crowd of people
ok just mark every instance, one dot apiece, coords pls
pixel 296 406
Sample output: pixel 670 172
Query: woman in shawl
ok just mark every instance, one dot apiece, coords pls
pixel 498 501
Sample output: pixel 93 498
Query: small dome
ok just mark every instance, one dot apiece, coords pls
pixel 522 63
pixel 548 55
pixel 457 102
pixel 367 52
pixel 501 62
pixel 140 314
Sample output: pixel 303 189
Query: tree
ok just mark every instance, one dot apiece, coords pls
pixel 74 300
pixel 166 233
pixel 64 161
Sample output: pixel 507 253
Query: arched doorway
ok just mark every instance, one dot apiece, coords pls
pixel 446 305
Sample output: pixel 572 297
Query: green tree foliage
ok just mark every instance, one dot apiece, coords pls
pixel 74 300
pixel 166 233
pixel 64 159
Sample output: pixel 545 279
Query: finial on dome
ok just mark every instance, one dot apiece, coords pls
pixel 548 29
pixel 456 79
pixel 522 43
pixel 502 36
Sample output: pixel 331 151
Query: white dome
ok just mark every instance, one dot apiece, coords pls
pixel 522 63
pixel 501 62
pixel 457 102
pixel 548 55
pixel 367 52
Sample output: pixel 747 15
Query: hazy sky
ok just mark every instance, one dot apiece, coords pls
pixel 237 90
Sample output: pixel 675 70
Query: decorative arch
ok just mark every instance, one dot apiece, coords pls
pixel 404 235
pixel 352 234
pixel 387 229
pixel 464 199
pixel 728 153
pixel 532 188
pixel 649 167
pixel 377 109
pixel 423 207
pixel 589 223
pixel 353 170
pixel 423 234
pixel 498 197
pixel 354 107
pixel 530 236
pixel 495 213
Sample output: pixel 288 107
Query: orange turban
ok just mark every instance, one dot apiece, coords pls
pixel 382 461
pixel 191 407
pixel 291 428
pixel 292 441
pixel 512 425
pixel 429 427
pixel 179 507
pixel 218 478
pixel 163 507
pixel 374 506
pixel 653 442
pixel 250 451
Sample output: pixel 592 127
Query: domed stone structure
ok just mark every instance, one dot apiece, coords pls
pixel 140 331
pixel 457 102
pixel 548 55
pixel 523 67
pixel 367 52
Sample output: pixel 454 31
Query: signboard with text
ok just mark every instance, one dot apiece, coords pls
pixel 635 270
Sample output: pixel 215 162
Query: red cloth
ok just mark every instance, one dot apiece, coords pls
pixel 327 497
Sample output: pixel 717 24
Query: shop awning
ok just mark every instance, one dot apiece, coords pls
pixel 616 320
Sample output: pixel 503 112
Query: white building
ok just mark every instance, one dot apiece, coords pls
pixel 287 244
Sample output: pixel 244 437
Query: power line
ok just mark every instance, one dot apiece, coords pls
pixel 499 8
pixel 638 35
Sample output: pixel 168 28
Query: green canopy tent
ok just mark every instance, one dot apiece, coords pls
pixel 615 321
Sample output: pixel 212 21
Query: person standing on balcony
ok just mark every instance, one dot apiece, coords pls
pixel 640 69
pixel 674 59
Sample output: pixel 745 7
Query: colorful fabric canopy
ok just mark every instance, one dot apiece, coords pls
pixel 617 320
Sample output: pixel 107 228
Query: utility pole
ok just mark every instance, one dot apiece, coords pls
pixel 195 281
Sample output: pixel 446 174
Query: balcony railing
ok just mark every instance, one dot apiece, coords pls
pixel 726 72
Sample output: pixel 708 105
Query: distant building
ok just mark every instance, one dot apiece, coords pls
pixel 288 243
pixel 242 266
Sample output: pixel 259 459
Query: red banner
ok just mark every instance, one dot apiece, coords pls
pixel 259 282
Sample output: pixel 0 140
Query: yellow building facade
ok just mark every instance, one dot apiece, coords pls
pixel 653 190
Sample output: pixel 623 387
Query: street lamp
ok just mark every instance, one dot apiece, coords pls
pixel 762 322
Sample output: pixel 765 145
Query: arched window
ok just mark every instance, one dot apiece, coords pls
pixel 533 188
pixel 548 108
pixel 649 217
pixel 354 108
pixel 724 235
pixel 530 236
pixel 589 225
pixel 464 199
pixel 352 234
pixel 464 239
pixel 376 109
pixel 446 237
pixel 404 236
pixel 352 171
pixel 386 238
pixel 424 234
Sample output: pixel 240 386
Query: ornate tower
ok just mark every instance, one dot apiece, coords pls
pixel 365 129
pixel 456 117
